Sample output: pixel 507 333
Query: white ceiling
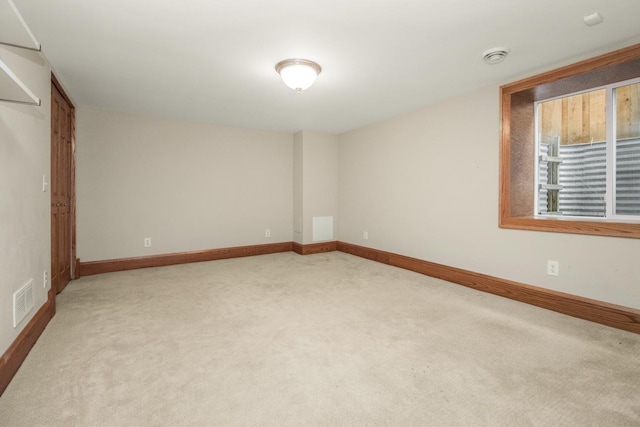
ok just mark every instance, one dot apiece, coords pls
pixel 213 60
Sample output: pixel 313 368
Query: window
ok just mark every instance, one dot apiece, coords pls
pixel 580 170
pixel 570 148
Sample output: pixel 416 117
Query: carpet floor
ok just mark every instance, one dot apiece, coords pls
pixel 317 340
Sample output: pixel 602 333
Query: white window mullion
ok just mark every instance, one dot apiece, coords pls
pixel 536 179
pixel 611 153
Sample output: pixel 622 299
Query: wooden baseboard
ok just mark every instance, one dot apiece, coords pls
pixel 612 315
pixel 76 269
pixel 107 266
pixel 314 248
pixel 17 352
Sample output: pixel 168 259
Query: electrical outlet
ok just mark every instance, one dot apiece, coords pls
pixel 365 235
pixel 553 268
pixel 45 279
pixel 147 242
pixel 267 233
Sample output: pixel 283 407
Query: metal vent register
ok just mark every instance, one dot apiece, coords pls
pixel 22 302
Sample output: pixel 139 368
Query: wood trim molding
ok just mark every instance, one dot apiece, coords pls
pixel 51 296
pixel 17 352
pixel 122 264
pixel 76 269
pixel 107 266
pixel 314 248
pixel 616 316
pixel 72 191
pixel 58 85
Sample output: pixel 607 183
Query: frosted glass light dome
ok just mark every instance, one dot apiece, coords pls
pixel 298 74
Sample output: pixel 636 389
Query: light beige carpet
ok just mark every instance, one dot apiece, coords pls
pixel 318 340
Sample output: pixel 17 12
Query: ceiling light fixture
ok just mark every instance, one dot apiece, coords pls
pixel 298 74
pixel 495 55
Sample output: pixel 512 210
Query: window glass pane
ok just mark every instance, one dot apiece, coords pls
pixel 627 188
pixel 572 155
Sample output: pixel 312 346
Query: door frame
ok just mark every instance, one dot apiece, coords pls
pixel 75 271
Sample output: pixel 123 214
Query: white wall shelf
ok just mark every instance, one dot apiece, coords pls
pixel 13 29
pixel 15 32
pixel 13 90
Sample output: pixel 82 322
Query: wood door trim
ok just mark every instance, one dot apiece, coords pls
pixel 616 316
pixel 56 83
pixel 72 196
pixel 75 271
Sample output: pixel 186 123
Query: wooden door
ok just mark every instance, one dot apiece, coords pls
pixel 61 188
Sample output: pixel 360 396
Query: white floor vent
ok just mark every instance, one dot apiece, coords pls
pixel 22 302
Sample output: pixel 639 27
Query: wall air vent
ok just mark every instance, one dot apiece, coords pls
pixel 22 302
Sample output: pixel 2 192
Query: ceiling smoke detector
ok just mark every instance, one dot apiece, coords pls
pixel 593 19
pixel 495 55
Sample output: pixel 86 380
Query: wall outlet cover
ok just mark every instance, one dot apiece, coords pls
pixel 553 268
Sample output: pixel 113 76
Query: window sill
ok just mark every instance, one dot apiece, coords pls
pixel 595 226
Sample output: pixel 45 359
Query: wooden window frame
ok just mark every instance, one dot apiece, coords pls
pixel 517 141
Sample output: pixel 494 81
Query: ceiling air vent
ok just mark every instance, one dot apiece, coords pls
pixel 495 55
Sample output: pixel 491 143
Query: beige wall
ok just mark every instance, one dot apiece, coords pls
pixel 298 193
pixel 25 245
pixel 423 185
pixel 188 186
pixel 426 185
pixel 316 182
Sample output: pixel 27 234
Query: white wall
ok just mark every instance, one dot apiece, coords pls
pixel 298 193
pixel 425 185
pixel 315 182
pixel 25 221
pixel 188 186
